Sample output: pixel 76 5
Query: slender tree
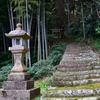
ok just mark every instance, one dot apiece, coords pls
pixel 83 20
pixel 45 37
pixel 38 23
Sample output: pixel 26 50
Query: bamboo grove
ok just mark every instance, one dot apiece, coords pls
pixel 78 18
pixel 22 11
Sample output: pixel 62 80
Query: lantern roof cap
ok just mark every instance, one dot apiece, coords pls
pixel 18 32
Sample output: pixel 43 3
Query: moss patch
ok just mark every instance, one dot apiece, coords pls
pixel 73 97
pixel 87 86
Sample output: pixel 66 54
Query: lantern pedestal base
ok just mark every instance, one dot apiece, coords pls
pixel 21 76
pixel 19 87
pixel 19 94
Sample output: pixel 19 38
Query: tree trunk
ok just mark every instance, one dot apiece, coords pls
pixel 38 23
pixel 4 39
pixel 28 34
pixel 68 17
pixel 83 21
pixel 45 37
pixel 11 16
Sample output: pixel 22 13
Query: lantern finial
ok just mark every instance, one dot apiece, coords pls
pixel 19 26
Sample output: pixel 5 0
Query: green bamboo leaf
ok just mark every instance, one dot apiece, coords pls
pixel 19 8
pixel 21 2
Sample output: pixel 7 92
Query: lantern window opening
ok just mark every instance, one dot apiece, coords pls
pixel 17 41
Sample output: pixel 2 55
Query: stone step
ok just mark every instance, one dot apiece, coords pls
pixel 78 65
pixel 78 62
pixel 78 91
pixel 71 73
pixel 81 53
pixel 75 82
pixel 74 68
pixel 74 98
pixel 73 78
pixel 80 59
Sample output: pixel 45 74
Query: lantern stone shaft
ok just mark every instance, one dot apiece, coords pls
pixel 19 48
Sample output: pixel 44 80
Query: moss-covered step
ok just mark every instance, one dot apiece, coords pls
pixel 76 91
pixel 93 65
pixel 64 69
pixel 76 77
pixel 79 63
pixel 79 55
pixel 82 59
pixel 76 98
pixel 71 73
pixel 74 83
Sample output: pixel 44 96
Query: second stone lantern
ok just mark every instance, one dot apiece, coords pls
pixel 19 86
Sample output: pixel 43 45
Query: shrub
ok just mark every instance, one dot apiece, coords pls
pixel 41 69
pixel 4 71
pixel 47 67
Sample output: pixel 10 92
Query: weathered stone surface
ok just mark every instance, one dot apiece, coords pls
pixel 69 78
pixel 74 69
pixel 69 73
pixel 19 94
pixel 91 98
pixel 71 93
pixel 61 83
pixel 19 76
pixel 80 93
pixel 88 98
pixel 18 85
pixel 80 82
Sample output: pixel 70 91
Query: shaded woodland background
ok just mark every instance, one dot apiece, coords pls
pixel 78 19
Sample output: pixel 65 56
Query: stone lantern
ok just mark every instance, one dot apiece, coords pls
pixel 19 47
pixel 19 86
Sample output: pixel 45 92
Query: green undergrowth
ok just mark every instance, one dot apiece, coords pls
pixel 96 43
pixel 5 59
pixel 47 67
pixel 87 86
pixel 4 71
pixel 44 84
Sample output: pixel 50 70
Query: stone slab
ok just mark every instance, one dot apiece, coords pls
pixel 72 93
pixel 18 85
pixel 74 69
pixel 19 94
pixel 19 76
pixel 62 83
pixel 86 98
pixel 69 73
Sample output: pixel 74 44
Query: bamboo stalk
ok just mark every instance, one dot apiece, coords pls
pixel 45 29
pixel 42 25
pixel 11 15
pixel 38 21
pixel 83 21
pixel 28 34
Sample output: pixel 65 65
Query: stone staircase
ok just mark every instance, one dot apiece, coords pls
pixel 77 76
